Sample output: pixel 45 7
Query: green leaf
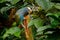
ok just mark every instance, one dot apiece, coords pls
pixel 57 6
pixel 57 14
pixel 45 4
pixel 54 23
pixel 2 1
pixel 43 28
pixel 49 32
pixel 12 1
pixel 39 33
pixel 4 9
pixel 31 23
pixel 14 24
pixel 13 31
pixel 38 22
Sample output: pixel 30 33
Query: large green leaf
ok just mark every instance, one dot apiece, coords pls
pixel 13 31
pixel 54 18
pixel 36 22
pixel 45 4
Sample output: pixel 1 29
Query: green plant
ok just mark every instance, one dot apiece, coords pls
pixel 45 19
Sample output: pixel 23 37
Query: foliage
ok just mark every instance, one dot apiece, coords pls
pixel 12 31
pixel 45 19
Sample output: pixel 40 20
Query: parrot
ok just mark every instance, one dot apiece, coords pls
pixel 21 14
pixel 22 18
